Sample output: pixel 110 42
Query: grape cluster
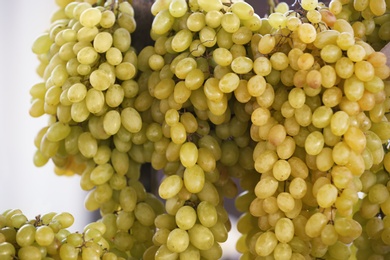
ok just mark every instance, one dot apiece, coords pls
pixel 292 107
pixel 48 237
pixel 369 19
pixel 316 139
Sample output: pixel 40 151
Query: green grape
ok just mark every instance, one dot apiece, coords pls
pixel 283 251
pixel 194 178
pixel 25 236
pixel 266 243
pixel 284 230
pixel 207 214
pixel 315 224
pixel 18 220
pixel 208 6
pixel 164 253
pixel 201 237
pixel 7 250
pixel 266 187
pixel 306 33
pixel 29 252
pixel 277 20
pixel 286 202
pixel 44 236
pixel 178 240
pixel 266 44
pixel 243 10
pixel 170 186
pixel 177 8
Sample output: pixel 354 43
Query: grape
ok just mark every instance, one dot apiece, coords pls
pixel 266 243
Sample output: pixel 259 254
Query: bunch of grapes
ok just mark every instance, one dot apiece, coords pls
pixel 286 114
pixel 48 237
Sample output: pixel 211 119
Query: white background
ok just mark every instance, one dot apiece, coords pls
pixel 22 185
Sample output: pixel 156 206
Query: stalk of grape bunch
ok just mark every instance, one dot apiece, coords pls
pixel 286 114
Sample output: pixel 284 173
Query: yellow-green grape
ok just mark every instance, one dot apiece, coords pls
pixel 279 61
pixel 378 8
pixel 87 145
pixel 182 40
pixel 284 230
pixel 307 33
pixel 314 143
pixel 178 133
pixel 7 250
pixel 207 36
pixel 266 187
pixel 242 65
pixel 243 10
pixel 277 20
pixel 283 251
pixel 340 153
pixel 44 236
pixel 186 217
pixel 177 8
pixel 228 83
pixel 164 89
pixel 355 138
pixel 196 21
pixel 339 123
pixel 58 131
pixel 213 18
pixel 353 88
pixel 314 16
pixel 378 195
pixel 327 195
pixel 201 237
pixel 209 193
pixel 262 66
pixel 25 236
pixel 29 252
pixel 144 213
pixel 297 97
pixel 131 120
pixel 309 4
pixel 170 186
pixel 178 240
pixel 285 202
pixel 194 178
pixel 188 154
pixel 207 214
pixel 266 243
pixel 331 53
pixel 230 22
pixel 266 44
pixel 364 70
pixel 190 253
pixel 315 224
pixel 213 5
pixel 298 188
pixel 42 44
pixel 162 22
pixel 329 236
pixel 293 23
pixel 256 85
pixel 281 170
pixel 102 173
